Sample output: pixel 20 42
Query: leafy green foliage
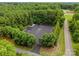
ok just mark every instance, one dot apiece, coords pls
pixel 19 15
pixel 23 14
pixel 56 31
pixel 74 28
pixel 49 40
pixel 6 48
pixel 20 37
pixel 76 36
pixel 76 48
pixel 69 6
pixel 49 16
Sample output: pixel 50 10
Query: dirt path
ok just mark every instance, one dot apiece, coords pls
pixel 19 50
pixel 68 42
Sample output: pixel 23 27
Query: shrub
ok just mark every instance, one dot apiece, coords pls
pixel 48 40
pixel 57 29
pixel 76 48
pixel 49 17
pixel 75 36
pixel 6 48
pixel 74 28
pixel 20 37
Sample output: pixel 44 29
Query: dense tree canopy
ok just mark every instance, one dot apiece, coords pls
pixel 74 26
pixel 69 5
pixel 14 17
pixel 23 14
pixel 20 37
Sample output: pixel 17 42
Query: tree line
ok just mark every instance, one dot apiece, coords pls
pixel 74 28
pixel 15 16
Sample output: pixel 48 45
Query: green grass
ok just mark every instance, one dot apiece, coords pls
pixel 61 43
pixel 17 46
pixel 56 51
pixel 68 16
pixel 75 48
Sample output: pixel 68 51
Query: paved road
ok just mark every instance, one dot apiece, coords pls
pixel 19 50
pixel 68 42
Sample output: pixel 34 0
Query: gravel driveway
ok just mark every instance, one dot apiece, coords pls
pixel 68 42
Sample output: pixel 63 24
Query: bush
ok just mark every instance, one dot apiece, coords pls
pixel 48 40
pixel 75 36
pixel 6 48
pixel 57 29
pixel 49 17
pixel 74 28
pixel 20 37
pixel 76 48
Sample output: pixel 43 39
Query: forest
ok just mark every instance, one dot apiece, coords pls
pixel 16 28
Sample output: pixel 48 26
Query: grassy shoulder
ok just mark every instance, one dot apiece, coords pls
pixel 57 50
pixel 17 46
pixel 75 48
pixel 68 16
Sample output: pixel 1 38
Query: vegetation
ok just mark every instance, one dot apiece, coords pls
pixel 14 17
pixel 49 16
pixel 74 28
pixel 68 17
pixel 76 48
pixel 69 6
pixel 49 40
pixel 20 37
pixel 57 50
pixel 23 14
pixel 6 48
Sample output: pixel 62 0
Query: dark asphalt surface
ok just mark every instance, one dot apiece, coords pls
pixel 38 31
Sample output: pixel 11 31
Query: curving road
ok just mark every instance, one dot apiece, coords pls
pixel 68 42
pixel 19 50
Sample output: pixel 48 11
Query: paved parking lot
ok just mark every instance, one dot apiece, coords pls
pixel 38 31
